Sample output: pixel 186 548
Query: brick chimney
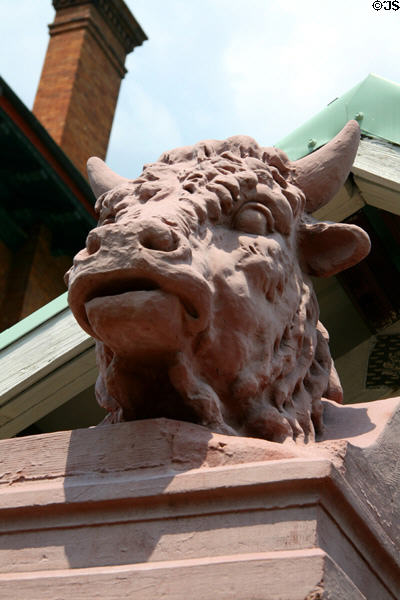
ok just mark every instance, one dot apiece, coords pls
pixel 82 72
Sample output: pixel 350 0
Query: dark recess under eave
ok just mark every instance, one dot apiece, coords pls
pixel 35 190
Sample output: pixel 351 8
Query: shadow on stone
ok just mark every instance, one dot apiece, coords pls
pixel 114 467
pixel 117 486
pixel 345 422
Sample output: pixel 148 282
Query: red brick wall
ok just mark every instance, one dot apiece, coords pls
pixel 80 82
pixel 32 277
pixel 46 276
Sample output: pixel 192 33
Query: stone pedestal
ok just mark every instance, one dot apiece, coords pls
pixel 164 509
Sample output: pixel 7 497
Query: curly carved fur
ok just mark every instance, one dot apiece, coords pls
pixel 280 379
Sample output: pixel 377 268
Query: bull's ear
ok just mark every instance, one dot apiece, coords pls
pixel 328 248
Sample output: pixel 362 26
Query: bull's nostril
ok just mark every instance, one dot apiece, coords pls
pixel 93 243
pixel 159 238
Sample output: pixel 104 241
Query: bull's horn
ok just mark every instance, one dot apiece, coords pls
pixel 321 174
pixel 101 178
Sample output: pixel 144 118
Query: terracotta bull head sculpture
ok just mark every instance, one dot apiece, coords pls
pixel 195 284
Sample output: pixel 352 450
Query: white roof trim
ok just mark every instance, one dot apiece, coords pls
pixel 42 370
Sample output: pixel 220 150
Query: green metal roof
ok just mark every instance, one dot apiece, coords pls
pixel 374 103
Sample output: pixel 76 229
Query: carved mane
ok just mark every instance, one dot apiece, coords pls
pixel 286 368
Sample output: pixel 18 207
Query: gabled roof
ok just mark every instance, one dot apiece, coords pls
pixel 374 103
pixel 38 181
pixel 33 321
pixel 47 359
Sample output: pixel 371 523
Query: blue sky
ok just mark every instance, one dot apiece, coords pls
pixel 217 68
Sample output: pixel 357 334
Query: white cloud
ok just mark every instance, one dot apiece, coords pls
pixel 219 67
pixel 23 43
pixel 143 129
pixel 323 50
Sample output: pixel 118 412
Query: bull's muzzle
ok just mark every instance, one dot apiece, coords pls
pixel 143 268
pixel 152 234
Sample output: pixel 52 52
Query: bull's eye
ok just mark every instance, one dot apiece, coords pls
pixel 255 219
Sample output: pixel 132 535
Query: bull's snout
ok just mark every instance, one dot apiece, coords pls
pixel 144 256
pixel 152 234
